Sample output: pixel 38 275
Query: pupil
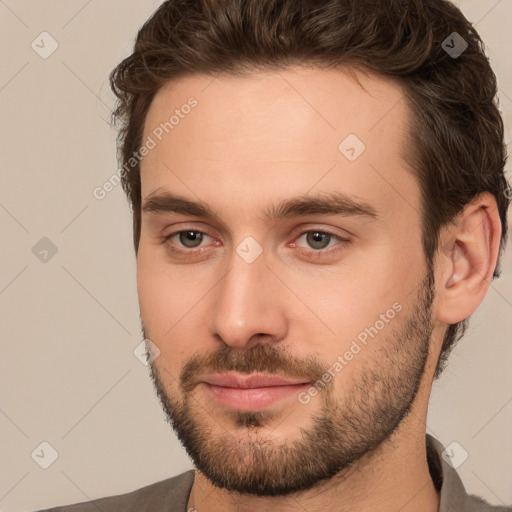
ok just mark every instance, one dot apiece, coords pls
pixel 191 236
pixel 318 238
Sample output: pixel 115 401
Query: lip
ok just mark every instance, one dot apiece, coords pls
pixel 232 380
pixel 251 392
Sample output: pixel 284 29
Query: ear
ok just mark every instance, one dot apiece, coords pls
pixel 469 250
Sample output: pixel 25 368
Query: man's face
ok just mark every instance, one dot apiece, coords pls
pixel 337 305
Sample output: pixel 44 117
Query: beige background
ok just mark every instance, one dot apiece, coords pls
pixel 69 326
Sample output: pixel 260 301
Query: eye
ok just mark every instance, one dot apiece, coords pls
pixel 190 238
pixel 319 241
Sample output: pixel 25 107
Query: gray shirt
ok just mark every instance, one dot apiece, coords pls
pixel 172 495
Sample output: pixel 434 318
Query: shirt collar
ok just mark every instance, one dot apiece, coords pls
pixel 453 495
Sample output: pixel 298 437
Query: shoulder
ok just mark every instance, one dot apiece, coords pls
pixel 453 495
pixel 170 495
pixel 478 504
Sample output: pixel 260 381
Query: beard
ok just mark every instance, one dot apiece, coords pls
pixel 343 428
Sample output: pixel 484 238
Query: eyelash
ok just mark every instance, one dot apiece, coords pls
pixel 342 242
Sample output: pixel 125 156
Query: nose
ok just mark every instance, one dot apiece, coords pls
pixel 249 305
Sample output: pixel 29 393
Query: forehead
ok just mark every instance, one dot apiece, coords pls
pixel 299 102
pixel 279 132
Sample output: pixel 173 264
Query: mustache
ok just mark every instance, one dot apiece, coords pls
pixel 264 358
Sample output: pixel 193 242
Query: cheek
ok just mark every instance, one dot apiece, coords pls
pixel 158 300
pixel 348 297
pixel 151 289
pixel 162 288
pixel 357 306
pixel 167 299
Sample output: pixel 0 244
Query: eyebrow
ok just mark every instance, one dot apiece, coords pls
pixel 326 204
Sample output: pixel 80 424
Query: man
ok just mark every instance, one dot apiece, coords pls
pixel 319 205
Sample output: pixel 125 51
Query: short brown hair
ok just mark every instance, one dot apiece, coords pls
pixel 457 144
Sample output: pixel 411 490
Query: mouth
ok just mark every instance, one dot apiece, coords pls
pixel 251 392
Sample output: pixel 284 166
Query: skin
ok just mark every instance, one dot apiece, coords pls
pixel 255 141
